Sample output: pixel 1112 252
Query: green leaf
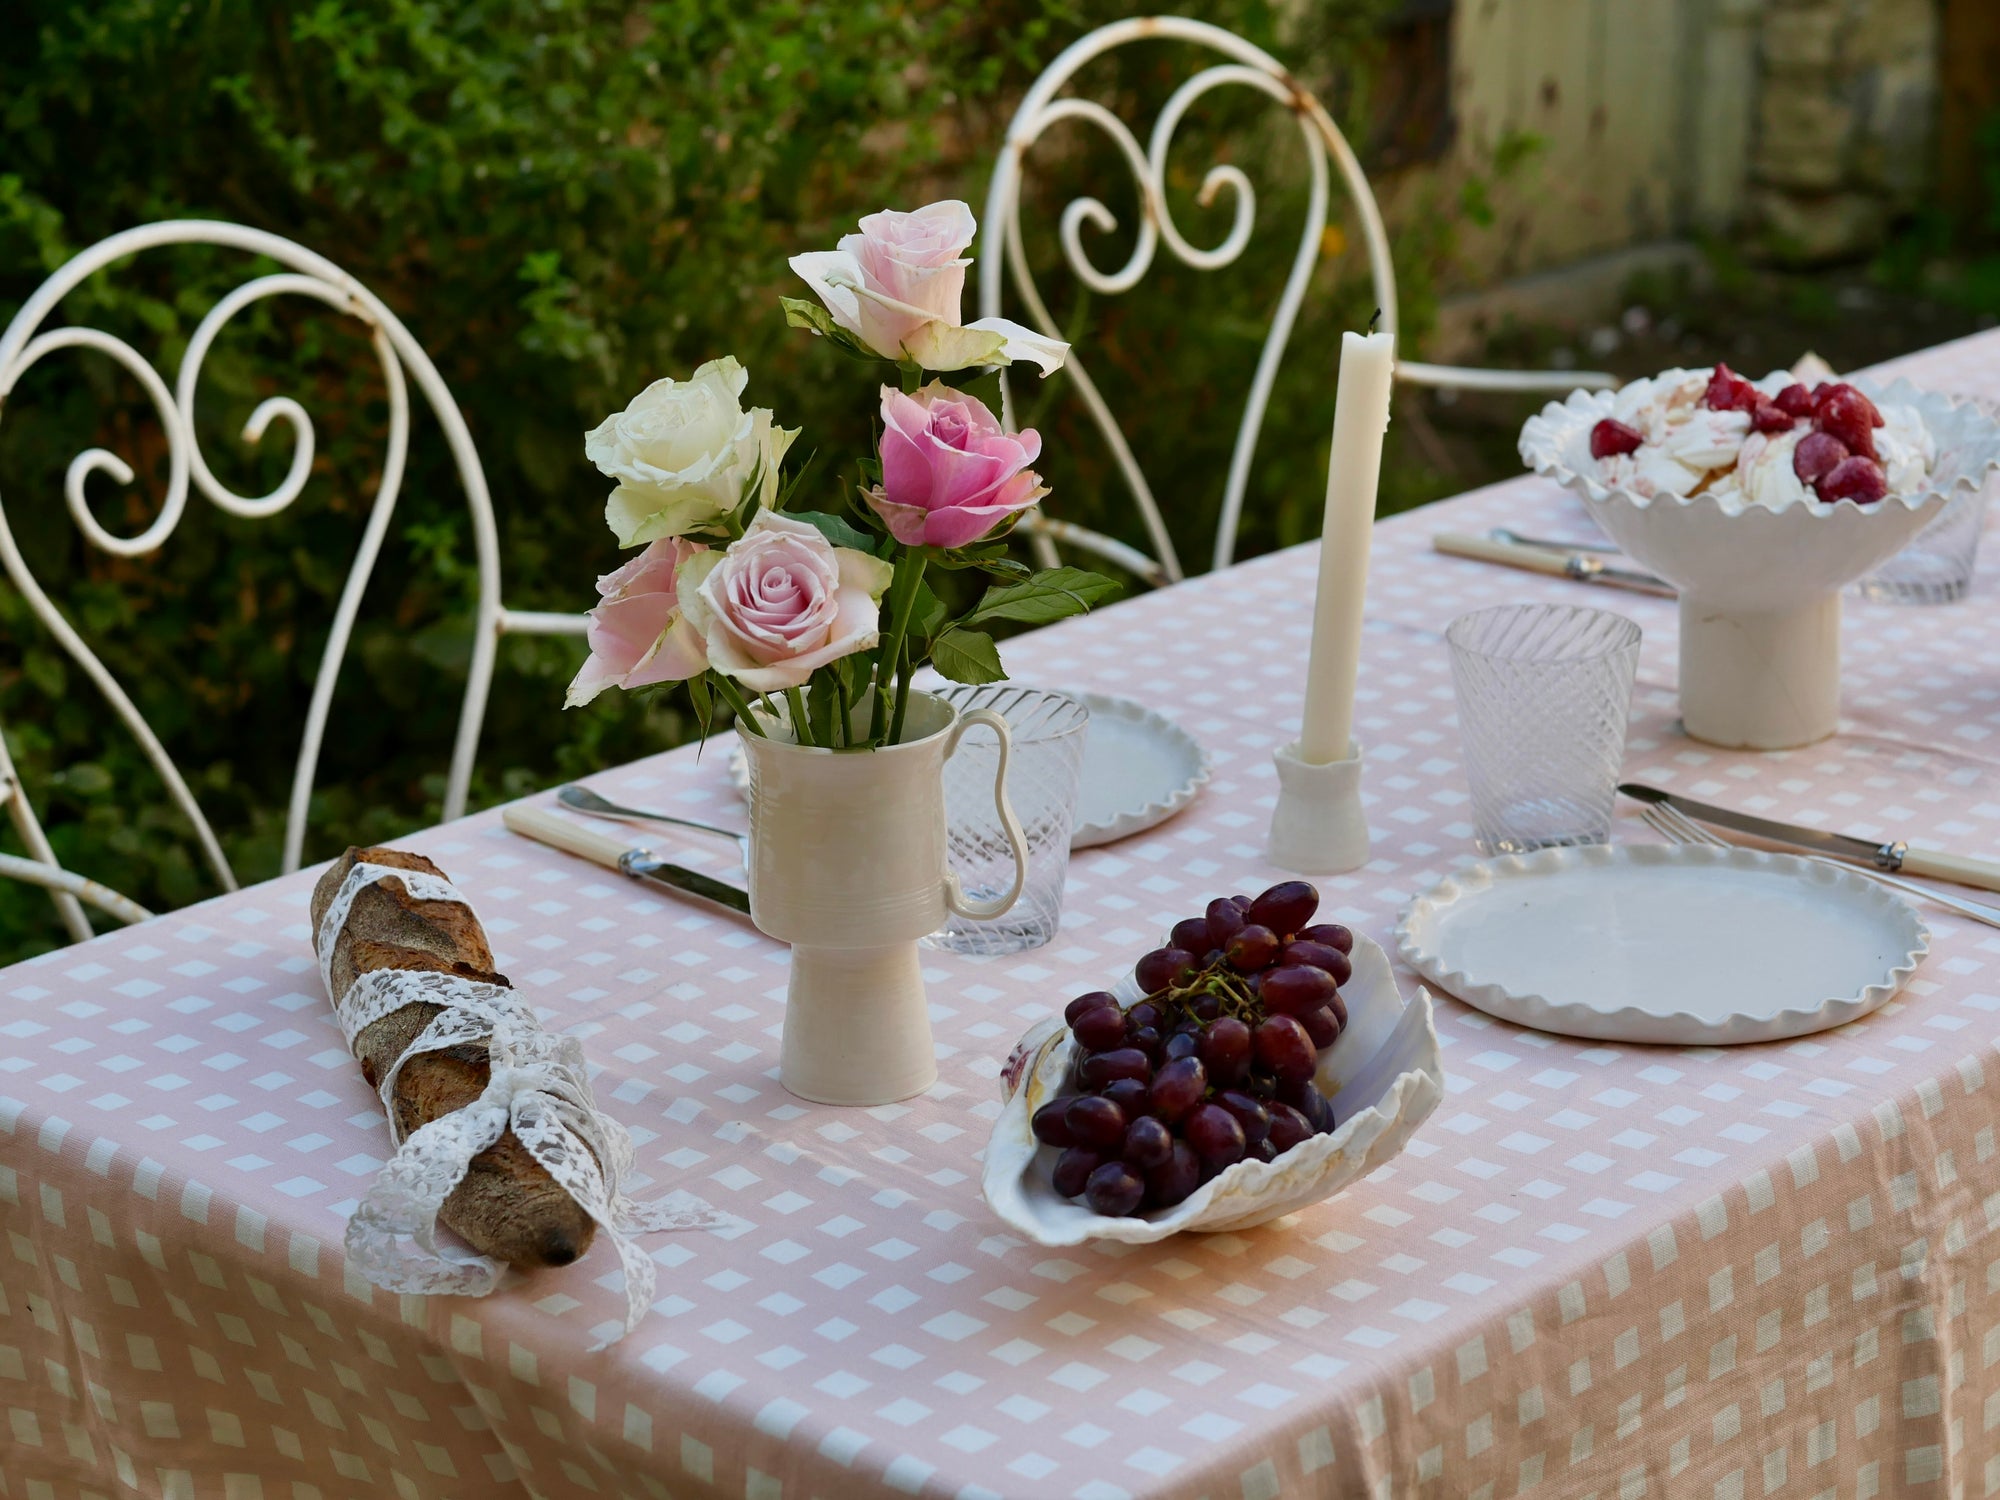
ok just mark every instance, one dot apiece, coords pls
pixel 927 614
pixel 702 702
pixel 1052 594
pixel 800 313
pixel 967 656
pixel 837 531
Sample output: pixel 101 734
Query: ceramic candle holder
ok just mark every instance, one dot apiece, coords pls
pixel 1760 588
pixel 1318 827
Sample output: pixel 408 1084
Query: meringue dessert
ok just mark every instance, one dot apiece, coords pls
pixel 1792 437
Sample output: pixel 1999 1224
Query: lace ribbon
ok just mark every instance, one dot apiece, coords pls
pixel 538 1088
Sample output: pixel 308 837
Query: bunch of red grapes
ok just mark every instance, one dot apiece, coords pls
pixel 1214 1066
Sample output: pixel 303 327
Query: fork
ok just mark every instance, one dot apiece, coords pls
pixel 1678 828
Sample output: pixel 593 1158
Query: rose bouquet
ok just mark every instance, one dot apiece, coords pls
pixel 749 597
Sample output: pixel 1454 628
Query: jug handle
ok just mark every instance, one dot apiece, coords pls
pixel 1017 842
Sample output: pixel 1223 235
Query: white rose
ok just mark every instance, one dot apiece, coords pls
pixel 682 453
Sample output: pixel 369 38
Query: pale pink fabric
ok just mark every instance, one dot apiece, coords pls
pixel 1597 1270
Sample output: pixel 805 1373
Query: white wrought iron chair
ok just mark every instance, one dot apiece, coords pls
pixel 1001 245
pixel 307 275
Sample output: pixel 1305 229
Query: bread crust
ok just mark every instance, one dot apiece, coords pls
pixel 508 1206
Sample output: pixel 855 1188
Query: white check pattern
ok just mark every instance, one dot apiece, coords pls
pixel 1604 1271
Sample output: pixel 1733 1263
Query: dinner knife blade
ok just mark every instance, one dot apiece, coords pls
pixel 648 868
pixel 1839 845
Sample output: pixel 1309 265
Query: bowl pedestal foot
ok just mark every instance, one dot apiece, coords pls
pixel 1761 681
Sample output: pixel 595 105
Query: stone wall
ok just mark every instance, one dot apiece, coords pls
pixel 1846 118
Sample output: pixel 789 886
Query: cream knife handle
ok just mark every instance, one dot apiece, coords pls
pixel 545 826
pixel 1509 554
pixel 1960 869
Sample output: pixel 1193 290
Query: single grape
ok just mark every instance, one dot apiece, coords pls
pixel 1319 956
pixel 1130 1095
pixel 1095 1122
pixel 1178 1087
pixel 1049 1126
pixel 1295 988
pixel 1148 1143
pixel 1148 1041
pixel 1320 1026
pixel 1318 1112
pixel 1225 1051
pixel 1176 1177
pixel 1100 1028
pixel 1145 1013
pixel 1339 1008
pixel 1249 1112
pixel 1285 907
pixel 1263 1151
pixel 1163 967
pixel 1225 920
pixel 1114 1190
pixel 1254 983
pixel 1254 947
pixel 1207 1007
pixel 1216 1136
pixel 1191 933
pixel 1182 1044
pixel 1261 1086
pixel 1090 1001
pixel 1241 903
pixel 1288 1128
pixel 1330 933
pixel 1214 958
pixel 1123 1062
pixel 1073 1169
pixel 1292 1091
pixel 1281 1044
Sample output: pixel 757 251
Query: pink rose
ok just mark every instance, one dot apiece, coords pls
pixel 950 473
pixel 782 601
pixel 638 634
pixel 897 286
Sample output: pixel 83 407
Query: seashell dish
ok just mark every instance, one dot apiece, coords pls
pixel 1383 1076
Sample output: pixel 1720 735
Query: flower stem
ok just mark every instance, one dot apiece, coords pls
pixel 902 599
pixel 802 729
pixel 843 730
pixel 907 670
pixel 730 694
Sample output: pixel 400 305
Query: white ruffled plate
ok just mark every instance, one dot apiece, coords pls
pixel 1139 769
pixel 1384 1076
pixel 1680 944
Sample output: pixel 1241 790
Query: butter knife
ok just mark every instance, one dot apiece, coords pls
pixel 1894 856
pixel 1581 567
pixel 548 827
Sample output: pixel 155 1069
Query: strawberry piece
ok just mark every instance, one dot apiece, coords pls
pixel 1817 453
pixel 1613 436
pixel 1794 400
pixel 1849 395
pixel 1849 416
pixel 1728 391
pixel 1858 479
pixel 1770 417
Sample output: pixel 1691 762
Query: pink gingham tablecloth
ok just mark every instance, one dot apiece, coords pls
pixel 1598 1270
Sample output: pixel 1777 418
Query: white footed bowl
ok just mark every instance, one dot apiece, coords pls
pixel 1383 1075
pixel 1760 588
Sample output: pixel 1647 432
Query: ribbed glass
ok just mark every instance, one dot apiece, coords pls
pixel 1544 691
pixel 1042 781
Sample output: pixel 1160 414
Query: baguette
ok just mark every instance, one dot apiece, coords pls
pixel 508 1206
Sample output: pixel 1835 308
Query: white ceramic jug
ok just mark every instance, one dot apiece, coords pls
pixel 847 864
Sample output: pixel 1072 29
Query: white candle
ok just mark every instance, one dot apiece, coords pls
pixel 1360 417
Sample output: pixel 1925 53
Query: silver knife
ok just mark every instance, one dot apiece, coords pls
pixel 545 826
pixel 1581 567
pixel 1894 856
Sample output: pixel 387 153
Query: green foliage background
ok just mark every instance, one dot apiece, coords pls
pixel 564 199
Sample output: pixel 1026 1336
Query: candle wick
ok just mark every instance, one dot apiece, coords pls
pixel 1374 320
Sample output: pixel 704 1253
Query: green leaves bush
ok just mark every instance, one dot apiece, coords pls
pixel 563 199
